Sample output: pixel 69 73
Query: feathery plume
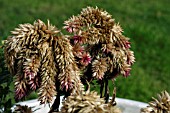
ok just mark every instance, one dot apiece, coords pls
pixel 39 56
pixel 89 102
pixel 159 105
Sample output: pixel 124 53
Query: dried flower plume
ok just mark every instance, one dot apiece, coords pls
pixel 159 105
pixel 39 56
pixel 89 102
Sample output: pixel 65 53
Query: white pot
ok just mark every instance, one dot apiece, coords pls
pixel 126 105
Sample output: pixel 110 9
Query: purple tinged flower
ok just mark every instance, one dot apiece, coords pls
pixel 85 59
pixel 34 83
pixel 66 85
pixel 77 39
pixel 72 25
pixel 129 61
pixel 19 94
pixel 127 73
pixel 130 58
pixel 69 29
pixel 20 91
pixel 29 74
pixel 100 77
pixel 32 78
pixel 127 44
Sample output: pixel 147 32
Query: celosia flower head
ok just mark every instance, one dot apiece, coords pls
pixel 85 59
pixel 38 56
pixel 102 39
pixel 89 102
pixel 159 105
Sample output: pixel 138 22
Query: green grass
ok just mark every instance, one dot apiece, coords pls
pixel 146 22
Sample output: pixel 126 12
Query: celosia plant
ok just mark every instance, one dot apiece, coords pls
pixel 41 58
pixel 100 49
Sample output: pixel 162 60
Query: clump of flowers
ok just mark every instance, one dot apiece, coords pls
pixel 159 105
pixel 101 50
pixel 41 58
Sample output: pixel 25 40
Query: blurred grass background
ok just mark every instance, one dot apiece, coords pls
pixel 146 22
